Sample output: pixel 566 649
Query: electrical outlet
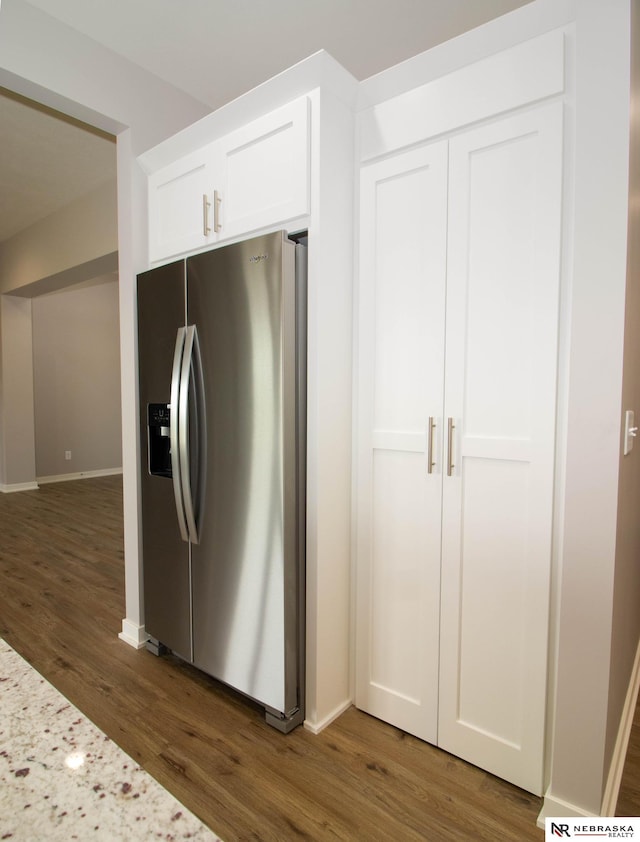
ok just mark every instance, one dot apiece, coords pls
pixel 67 455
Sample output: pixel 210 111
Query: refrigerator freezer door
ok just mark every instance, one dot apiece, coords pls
pixel 167 600
pixel 245 572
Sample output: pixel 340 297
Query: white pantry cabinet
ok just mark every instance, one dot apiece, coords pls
pixel 253 177
pixel 403 245
pixel 457 358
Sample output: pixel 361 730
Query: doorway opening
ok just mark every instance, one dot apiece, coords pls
pixel 58 245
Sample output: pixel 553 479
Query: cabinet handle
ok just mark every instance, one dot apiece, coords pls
pixel 430 462
pixel 450 428
pixel 206 204
pixel 217 201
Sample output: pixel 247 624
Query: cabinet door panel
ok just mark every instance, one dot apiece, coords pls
pixel 400 381
pixel 501 361
pixel 402 609
pixel 264 168
pixel 494 594
pixel 176 213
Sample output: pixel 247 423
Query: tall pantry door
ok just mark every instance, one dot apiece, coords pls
pixel 458 321
pixel 503 272
pixel 401 352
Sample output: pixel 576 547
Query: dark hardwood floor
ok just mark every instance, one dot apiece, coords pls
pixel 61 607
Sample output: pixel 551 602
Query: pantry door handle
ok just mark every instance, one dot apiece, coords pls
pixel 450 428
pixel 430 463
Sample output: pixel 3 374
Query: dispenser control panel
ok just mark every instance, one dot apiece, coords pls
pixel 159 439
pixel 158 415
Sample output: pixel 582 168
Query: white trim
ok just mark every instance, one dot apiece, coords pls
pixel 477 44
pixel 614 778
pixel 317 727
pixel 557 807
pixel 133 634
pixel 19 486
pixel 103 472
pixel 553 807
pixel 448 103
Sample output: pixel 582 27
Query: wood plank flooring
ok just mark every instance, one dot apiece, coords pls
pixel 61 607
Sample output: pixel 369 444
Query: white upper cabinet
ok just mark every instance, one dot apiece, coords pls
pixel 264 171
pixel 180 217
pixel 252 178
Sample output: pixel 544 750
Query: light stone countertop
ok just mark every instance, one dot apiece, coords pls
pixel 62 778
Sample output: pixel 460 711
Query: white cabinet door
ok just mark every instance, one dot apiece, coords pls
pixel 401 349
pixel 458 315
pixel 255 177
pixel 180 212
pixel 265 170
pixel 503 273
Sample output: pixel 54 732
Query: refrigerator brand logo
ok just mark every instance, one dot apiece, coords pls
pixel 258 258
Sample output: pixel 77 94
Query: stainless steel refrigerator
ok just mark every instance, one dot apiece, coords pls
pixel 222 338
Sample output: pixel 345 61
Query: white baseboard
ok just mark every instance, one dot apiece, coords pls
pixel 102 472
pixel 557 807
pixel 317 727
pixel 553 807
pixel 133 634
pixel 19 486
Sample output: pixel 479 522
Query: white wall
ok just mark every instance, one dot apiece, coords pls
pixel 51 63
pixel 591 460
pixel 76 369
pixel 626 596
pixel 77 243
pixel 18 439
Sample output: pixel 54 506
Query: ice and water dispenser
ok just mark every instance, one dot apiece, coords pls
pixel 159 439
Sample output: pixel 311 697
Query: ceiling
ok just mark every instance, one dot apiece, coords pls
pixel 214 50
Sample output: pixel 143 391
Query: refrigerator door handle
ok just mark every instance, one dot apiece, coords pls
pixel 190 367
pixel 174 431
